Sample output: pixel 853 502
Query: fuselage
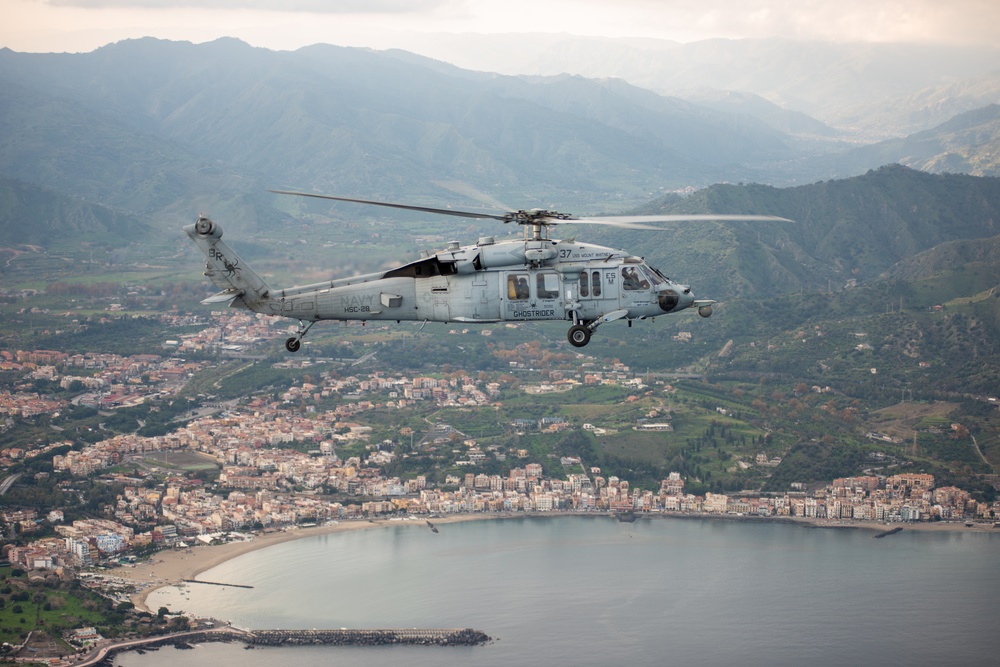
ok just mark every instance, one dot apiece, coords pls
pixel 492 282
pixel 506 281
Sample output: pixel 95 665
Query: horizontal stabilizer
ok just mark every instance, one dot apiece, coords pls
pixel 225 296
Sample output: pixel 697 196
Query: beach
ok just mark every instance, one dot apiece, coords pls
pixel 172 566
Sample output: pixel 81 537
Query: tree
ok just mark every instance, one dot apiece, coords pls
pixel 161 612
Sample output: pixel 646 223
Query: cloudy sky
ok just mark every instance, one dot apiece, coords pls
pixel 83 25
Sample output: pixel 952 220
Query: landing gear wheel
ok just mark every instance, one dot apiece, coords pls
pixel 293 344
pixel 578 335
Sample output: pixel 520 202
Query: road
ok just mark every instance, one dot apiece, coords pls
pixel 135 643
pixel 7 483
pixel 979 451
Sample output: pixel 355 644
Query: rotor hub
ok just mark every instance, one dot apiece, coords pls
pixel 535 216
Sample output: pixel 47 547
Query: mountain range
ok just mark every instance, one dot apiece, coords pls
pixel 136 137
pixel 156 128
pixel 866 89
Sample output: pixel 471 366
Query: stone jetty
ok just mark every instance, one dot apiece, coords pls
pixel 344 637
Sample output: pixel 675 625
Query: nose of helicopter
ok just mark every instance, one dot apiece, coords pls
pixel 673 298
pixel 686 298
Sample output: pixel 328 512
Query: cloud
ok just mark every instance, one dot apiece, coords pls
pixel 954 21
pixel 292 23
pixel 315 6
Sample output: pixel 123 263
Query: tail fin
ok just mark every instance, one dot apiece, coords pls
pixel 241 286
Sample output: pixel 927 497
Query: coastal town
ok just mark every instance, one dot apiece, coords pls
pixel 183 512
pixel 317 451
pixel 264 483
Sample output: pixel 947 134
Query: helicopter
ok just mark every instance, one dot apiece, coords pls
pixel 527 279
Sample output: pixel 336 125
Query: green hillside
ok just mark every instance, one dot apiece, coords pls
pixel 848 231
pixel 38 216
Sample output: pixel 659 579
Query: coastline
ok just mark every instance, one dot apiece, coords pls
pixel 170 567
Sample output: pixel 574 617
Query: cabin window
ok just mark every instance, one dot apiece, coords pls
pixel 517 286
pixel 584 284
pixel 595 283
pixel 547 286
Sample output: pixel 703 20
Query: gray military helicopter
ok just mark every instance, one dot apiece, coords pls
pixel 515 280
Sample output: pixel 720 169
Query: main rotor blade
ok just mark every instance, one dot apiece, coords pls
pixel 537 217
pixel 640 219
pixel 467 190
pixel 424 209
pixel 604 222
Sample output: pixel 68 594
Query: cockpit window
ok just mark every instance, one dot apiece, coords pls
pixel 656 275
pixel 634 279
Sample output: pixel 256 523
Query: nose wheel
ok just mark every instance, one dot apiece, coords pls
pixel 295 342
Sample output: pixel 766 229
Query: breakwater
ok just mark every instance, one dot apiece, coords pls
pixel 887 533
pixel 342 637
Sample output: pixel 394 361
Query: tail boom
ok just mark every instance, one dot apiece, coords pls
pixel 241 286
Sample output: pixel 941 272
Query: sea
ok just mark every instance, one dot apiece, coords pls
pixel 579 590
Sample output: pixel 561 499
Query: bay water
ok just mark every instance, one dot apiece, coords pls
pixel 572 590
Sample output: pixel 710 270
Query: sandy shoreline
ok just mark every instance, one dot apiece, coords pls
pixel 170 567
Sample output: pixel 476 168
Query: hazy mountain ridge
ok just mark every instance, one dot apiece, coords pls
pixel 368 122
pixel 888 89
pixel 792 123
pixel 57 143
pixel 391 124
pixel 935 104
pixel 715 137
pixel 969 143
